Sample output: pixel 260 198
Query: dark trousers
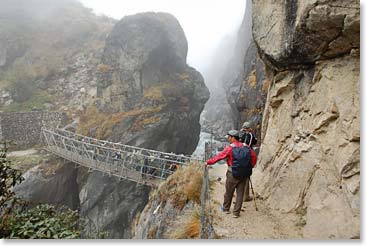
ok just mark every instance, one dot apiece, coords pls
pixel 233 184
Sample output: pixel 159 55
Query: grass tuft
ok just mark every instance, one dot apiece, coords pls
pixel 183 186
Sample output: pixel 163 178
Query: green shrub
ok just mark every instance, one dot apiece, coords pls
pixel 43 221
pixel 19 221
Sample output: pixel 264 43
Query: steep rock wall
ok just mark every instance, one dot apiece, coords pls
pixel 246 85
pixel 58 177
pixel 309 159
pixel 154 96
pixel 147 97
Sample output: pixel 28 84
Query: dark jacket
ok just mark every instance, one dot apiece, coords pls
pixel 248 138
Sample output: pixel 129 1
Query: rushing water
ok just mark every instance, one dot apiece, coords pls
pixel 200 148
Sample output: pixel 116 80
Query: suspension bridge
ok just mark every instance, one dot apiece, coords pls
pixel 144 166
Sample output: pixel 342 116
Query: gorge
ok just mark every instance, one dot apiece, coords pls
pixel 291 68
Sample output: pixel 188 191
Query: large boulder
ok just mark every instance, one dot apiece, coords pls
pixel 147 97
pixel 152 96
pixel 52 182
pixel 309 160
pixel 291 33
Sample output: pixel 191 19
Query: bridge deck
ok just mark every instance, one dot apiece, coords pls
pixel 148 167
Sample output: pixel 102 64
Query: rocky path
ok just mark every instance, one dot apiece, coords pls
pixel 252 224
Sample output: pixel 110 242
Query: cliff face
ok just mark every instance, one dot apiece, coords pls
pixel 245 82
pixel 147 97
pixel 154 98
pixel 309 159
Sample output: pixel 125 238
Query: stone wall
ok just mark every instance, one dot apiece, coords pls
pixel 25 127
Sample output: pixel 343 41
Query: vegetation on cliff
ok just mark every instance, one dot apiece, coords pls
pixel 174 209
pixel 19 221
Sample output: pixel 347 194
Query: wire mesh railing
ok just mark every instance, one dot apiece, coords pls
pixel 141 165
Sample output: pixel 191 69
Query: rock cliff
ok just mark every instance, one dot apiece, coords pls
pixel 245 81
pixel 147 97
pixel 154 98
pixel 309 161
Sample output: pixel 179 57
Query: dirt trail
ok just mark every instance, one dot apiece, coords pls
pixel 252 224
pixel 20 153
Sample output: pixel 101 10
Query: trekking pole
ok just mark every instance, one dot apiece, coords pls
pixel 253 193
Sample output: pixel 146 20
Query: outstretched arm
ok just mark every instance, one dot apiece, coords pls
pixel 222 155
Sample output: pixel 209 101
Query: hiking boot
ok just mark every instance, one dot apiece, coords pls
pixel 235 216
pixel 227 212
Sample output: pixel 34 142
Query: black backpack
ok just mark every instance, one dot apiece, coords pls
pixel 241 166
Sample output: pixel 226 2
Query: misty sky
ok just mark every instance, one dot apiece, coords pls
pixel 205 22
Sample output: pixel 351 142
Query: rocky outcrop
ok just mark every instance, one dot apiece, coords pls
pixel 293 33
pixel 59 179
pixel 109 205
pixel 309 160
pixel 147 97
pixel 154 97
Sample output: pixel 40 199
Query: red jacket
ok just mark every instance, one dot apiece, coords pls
pixel 227 154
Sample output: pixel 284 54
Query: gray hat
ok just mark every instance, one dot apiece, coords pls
pixel 246 125
pixel 233 133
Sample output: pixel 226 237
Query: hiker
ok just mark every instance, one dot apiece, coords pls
pixel 144 169
pixel 174 166
pixel 247 137
pixel 239 167
pixel 117 155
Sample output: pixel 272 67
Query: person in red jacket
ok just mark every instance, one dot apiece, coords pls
pixel 232 183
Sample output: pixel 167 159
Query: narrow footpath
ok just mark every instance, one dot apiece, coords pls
pixel 252 224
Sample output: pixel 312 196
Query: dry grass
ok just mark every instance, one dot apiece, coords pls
pixel 184 76
pixel 152 232
pixel 93 118
pixel 252 79
pixel 49 170
pixel 158 92
pixel 183 186
pixel 190 228
pixel 149 121
pixel 104 68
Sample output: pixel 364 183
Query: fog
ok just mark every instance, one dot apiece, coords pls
pixel 206 23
